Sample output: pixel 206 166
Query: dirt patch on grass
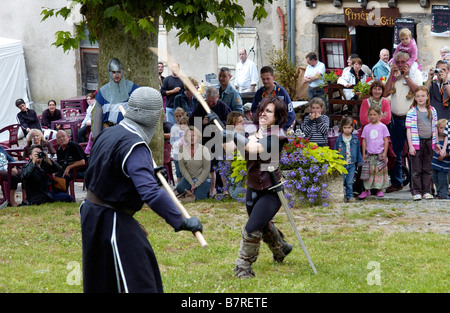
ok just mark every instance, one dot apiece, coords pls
pixel 389 216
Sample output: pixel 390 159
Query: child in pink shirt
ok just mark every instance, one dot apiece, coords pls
pixel 408 44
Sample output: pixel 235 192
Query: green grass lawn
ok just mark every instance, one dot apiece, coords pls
pixel 40 251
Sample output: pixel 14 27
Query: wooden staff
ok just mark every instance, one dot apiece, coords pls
pixel 187 82
pixel 169 190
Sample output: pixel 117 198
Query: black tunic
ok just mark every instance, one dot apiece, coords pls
pixel 117 256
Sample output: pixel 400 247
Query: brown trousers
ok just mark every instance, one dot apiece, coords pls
pixel 421 168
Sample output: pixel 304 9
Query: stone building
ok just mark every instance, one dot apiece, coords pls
pixel 366 27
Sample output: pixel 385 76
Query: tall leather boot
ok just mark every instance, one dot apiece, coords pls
pixel 248 253
pixel 274 238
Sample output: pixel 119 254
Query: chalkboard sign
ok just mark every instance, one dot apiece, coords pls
pixel 402 23
pixel 440 21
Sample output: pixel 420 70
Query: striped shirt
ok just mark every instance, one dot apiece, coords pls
pixel 444 165
pixel 316 130
pixel 411 123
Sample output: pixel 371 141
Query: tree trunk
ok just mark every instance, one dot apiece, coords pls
pixel 140 66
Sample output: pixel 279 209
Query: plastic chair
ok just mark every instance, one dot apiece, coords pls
pixel 75 172
pixel 13 135
pixel 68 112
pixel 4 189
pixel 54 143
pixel 40 121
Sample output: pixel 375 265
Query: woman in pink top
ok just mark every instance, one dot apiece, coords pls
pixel 376 91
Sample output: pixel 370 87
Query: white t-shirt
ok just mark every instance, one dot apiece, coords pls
pixel 400 105
pixel 313 71
pixel 246 76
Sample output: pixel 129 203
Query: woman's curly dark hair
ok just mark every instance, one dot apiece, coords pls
pixel 281 114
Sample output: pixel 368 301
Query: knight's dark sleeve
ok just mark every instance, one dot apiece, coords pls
pixel 139 166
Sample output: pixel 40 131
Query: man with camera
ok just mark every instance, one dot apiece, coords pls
pixel 37 181
pixel 439 89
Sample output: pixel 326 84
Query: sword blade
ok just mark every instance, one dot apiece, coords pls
pixel 285 205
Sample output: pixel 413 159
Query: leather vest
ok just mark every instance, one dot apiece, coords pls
pixel 258 176
pixel 258 179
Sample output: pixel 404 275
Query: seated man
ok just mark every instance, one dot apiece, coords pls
pixel 36 179
pixel 69 155
pixel 27 118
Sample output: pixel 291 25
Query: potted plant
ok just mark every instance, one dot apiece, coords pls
pixel 234 170
pixel 313 174
pixel 331 77
pixel 362 88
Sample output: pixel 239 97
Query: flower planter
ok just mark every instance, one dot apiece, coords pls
pixel 335 186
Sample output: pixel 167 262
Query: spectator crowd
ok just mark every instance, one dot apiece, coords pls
pixel 407 109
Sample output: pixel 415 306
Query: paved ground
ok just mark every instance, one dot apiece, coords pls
pixel 404 194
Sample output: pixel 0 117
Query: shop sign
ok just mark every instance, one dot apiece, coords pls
pixel 401 23
pixel 440 19
pixel 376 16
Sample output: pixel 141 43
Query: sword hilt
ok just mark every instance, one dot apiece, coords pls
pixel 276 184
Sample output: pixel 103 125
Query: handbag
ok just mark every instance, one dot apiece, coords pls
pixel 59 183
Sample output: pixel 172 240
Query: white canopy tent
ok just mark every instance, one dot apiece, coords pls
pixel 14 82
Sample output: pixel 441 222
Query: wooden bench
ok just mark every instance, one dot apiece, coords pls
pixel 337 101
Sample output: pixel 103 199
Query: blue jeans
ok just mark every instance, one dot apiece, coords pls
pixel 61 196
pixel 440 180
pixel 348 180
pixel 177 168
pixel 169 115
pixel 398 138
pixel 201 192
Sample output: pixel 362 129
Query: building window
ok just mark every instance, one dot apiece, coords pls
pixel 334 53
pixel 89 73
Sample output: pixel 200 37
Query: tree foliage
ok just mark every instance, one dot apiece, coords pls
pixel 194 20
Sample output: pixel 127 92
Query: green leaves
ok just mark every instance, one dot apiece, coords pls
pixel 194 19
pixel 239 169
pixel 66 41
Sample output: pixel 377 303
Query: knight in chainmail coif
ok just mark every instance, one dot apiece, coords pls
pixel 117 256
pixel 110 97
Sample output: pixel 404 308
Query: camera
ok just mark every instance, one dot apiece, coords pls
pixel 437 70
pixel 41 155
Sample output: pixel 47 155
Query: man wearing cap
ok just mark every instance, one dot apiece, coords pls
pixel 247 112
pixel 117 256
pixel 110 97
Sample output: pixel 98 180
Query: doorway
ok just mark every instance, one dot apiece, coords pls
pixel 370 40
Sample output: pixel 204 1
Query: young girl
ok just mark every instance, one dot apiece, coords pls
pixel 421 134
pixel 348 146
pixel 176 136
pixel 374 152
pixel 316 125
pixel 408 44
pixel 440 164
